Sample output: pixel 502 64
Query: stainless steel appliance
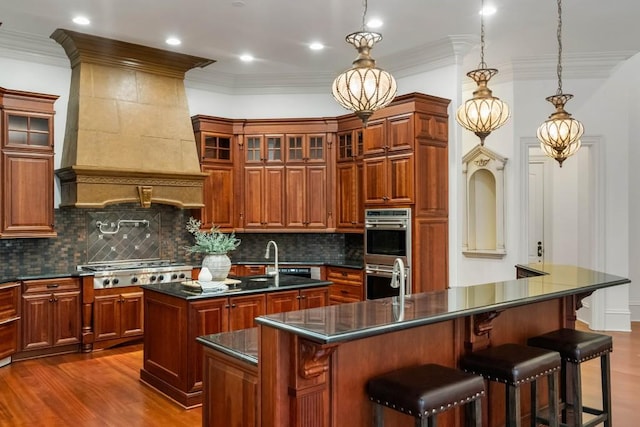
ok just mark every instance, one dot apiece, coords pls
pixel 387 237
pixel 308 272
pixel 134 273
pixel 378 281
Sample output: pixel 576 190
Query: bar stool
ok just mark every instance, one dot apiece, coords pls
pixel 426 390
pixel 513 365
pixel 576 347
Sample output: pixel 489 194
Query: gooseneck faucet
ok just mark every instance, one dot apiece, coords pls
pixel 399 280
pixel 276 271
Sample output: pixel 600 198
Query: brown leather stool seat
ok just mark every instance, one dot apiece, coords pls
pixel 513 365
pixel 424 391
pixel 576 347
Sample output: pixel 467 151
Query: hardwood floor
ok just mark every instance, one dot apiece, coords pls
pixel 85 390
pixel 102 389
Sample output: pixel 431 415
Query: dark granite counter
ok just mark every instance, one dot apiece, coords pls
pixel 347 263
pixel 242 344
pixel 45 274
pixel 347 322
pixel 247 285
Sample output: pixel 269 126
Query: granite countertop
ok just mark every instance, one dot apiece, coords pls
pixel 247 285
pixel 357 320
pixel 346 263
pixel 241 344
pixel 45 274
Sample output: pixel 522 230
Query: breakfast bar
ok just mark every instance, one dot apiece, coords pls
pixel 313 365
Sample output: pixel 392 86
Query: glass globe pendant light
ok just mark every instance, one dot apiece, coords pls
pixel 560 134
pixel 483 113
pixel 364 88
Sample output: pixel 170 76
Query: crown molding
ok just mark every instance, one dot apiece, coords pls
pixel 32 48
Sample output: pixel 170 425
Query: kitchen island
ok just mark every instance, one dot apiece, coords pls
pixel 176 313
pixel 313 365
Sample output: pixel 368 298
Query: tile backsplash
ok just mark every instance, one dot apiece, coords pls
pixel 163 237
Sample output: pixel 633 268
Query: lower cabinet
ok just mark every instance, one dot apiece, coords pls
pixel 9 316
pixel 347 285
pixel 118 316
pixel 50 317
pixel 278 302
pixel 172 356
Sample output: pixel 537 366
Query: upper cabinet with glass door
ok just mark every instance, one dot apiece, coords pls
pixel 264 149
pixel 306 148
pixel 28 131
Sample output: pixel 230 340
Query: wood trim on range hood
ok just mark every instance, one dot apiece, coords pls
pixel 128 134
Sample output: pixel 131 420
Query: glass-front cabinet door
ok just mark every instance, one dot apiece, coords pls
pixel 306 148
pixel 263 149
pixel 28 131
pixel 217 148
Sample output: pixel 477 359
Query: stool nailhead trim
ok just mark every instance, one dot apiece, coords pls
pixel 591 356
pixel 432 411
pixel 522 381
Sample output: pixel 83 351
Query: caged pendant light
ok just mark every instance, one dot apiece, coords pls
pixel 483 113
pixel 560 134
pixel 364 88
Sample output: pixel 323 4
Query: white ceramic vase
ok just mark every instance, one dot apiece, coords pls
pixel 218 265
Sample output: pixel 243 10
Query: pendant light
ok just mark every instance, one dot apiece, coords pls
pixel 364 88
pixel 483 113
pixel 560 134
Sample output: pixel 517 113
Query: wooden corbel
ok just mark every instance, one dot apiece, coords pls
pixel 144 192
pixel 479 329
pixel 314 358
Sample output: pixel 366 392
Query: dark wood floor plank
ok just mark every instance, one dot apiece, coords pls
pixel 102 389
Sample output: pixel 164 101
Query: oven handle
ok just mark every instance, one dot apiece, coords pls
pixel 390 226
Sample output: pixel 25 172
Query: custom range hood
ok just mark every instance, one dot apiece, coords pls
pixel 128 136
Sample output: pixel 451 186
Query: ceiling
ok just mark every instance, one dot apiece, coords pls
pixel 277 32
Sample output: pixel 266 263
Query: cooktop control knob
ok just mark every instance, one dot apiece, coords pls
pixel 116 281
pixel 134 280
pixel 174 276
pixel 106 282
pixel 182 276
pixel 153 278
pixel 160 278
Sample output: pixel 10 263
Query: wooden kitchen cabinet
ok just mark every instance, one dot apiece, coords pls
pixel 217 153
pixel 282 301
pixel 264 197
pixel 306 194
pixel 118 316
pixel 9 317
pixel 389 180
pixel 348 285
pixel 26 169
pixel 349 176
pixel 50 316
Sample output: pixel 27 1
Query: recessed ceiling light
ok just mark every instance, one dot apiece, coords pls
pixel 316 46
pixel 237 3
pixel 488 11
pixel 173 41
pixel 81 20
pixel 246 57
pixel 374 23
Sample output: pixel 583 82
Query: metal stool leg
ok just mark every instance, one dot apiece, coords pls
pixel 563 391
pixel 512 397
pixel 378 420
pixel 577 393
pixel 534 403
pixel 605 376
pixel 553 399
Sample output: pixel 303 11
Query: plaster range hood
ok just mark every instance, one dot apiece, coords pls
pixel 128 136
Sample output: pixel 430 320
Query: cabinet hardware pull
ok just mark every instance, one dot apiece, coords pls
pixel 50 299
pixel 343 291
pixel 227 306
pixel 233 306
pixel 52 285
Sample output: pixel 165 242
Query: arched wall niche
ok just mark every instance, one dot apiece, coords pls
pixel 483 172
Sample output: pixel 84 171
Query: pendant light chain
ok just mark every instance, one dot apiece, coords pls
pixel 482 63
pixel 364 15
pixel 559 47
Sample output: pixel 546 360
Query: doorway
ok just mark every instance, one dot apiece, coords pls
pixel 563 214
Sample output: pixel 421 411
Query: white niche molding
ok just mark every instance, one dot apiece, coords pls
pixel 483 172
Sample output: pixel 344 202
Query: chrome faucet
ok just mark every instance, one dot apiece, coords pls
pixel 275 271
pixel 399 280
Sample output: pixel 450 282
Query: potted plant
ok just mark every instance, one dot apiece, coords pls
pixel 215 245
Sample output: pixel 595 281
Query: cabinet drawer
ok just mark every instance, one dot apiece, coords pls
pixel 9 301
pixel 346 292
pixel 50 285
pixel 345 276
pixel 8 339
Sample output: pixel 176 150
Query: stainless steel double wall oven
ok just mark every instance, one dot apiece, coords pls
pixel 387 237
